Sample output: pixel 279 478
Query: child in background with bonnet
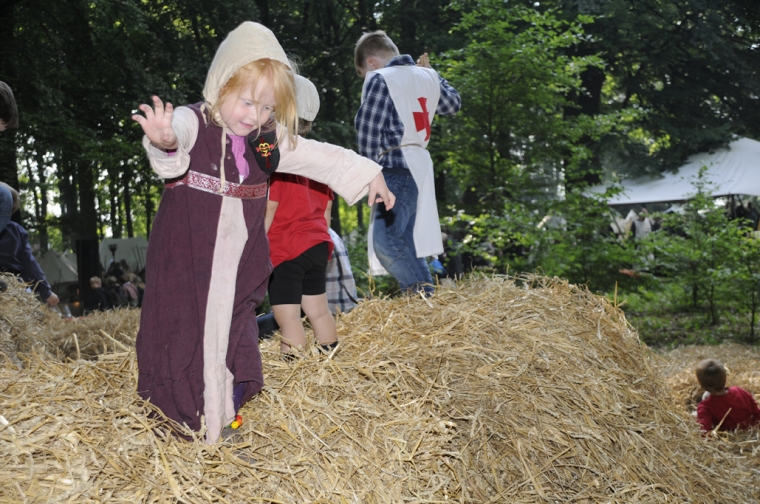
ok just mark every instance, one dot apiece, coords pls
pixel 208 254
pixel 297 222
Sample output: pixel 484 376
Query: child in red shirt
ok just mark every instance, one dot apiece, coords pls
pixel 733 405
pixel 297 216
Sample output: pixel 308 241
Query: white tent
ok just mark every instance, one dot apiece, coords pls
pixel 131 249
pixel 59 268
pixel 733 170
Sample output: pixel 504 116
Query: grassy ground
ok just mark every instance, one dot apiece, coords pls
pixel 664 318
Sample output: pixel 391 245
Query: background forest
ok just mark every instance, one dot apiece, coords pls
pixel 557 95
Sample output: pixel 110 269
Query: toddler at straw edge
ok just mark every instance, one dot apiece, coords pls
pixel 297 219
pixel 208 254
pixel 735 404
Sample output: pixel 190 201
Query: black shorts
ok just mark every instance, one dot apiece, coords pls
pixel 302 276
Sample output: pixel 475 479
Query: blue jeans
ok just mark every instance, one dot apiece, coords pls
pixel 6 207
pixel 393 236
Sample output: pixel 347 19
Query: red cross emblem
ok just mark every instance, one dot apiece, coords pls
pixel 422 119
pixel 265 148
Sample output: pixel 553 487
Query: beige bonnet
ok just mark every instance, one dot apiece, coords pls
pixel 307 98
pixel 248 42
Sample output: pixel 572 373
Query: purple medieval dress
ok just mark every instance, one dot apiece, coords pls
pixel 208 264
pixel 185 236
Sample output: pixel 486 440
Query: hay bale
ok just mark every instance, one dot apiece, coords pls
pixel 28 326
pixel 493 391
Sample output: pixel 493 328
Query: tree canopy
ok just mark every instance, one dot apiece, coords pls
pixel 556 94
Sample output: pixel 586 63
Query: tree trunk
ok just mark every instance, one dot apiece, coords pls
pixel 127 197
pixel 42 220
pixel 67 187
pixel 87 225
pixel 113 193
pixel 263 6
pixel 589 104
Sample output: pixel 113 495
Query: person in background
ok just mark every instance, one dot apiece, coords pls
pixel 9 203
pixel 116 292
pixel 6 210
pixel 730 407
pixel 8 120
pixel 101 301
pixel 130 289
pixel 297 217
pixel 16 254
pixel 642 226
pixel 8 108
pixel 393 127
pixel 340 287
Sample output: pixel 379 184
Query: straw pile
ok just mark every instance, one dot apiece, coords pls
pixel 743 366
pixel 28 326
pixel 493 391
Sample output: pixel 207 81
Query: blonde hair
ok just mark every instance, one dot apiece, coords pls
pixel 283 81
pixel 376 43
pixel 96 281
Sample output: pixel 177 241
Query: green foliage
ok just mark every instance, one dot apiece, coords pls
pixel 512 135
pixel 710 269
pixel 687 65
pixel 574 241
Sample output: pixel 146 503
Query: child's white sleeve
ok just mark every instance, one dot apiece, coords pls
pixel 174 164
pixel 346 172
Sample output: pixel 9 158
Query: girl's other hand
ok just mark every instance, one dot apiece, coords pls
pixel 157 124
pixel 378 191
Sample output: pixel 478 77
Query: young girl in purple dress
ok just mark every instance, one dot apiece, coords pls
pixel 208 255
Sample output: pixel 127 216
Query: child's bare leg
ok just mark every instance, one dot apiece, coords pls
pixel 288 317
pixel 322 321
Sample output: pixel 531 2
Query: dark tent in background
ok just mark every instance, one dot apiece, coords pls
pixel 133 250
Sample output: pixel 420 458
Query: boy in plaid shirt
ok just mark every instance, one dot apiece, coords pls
pixel 393 124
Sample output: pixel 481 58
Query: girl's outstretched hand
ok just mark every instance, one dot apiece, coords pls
pixel 157 124
pixel 378 191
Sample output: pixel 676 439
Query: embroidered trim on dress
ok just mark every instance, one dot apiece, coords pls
pixel 208 183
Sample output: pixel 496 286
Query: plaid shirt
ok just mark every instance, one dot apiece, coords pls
pixel 378 125
pixel 340 285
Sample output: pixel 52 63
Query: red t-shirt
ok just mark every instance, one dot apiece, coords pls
pixel 299 222
pixel 744 411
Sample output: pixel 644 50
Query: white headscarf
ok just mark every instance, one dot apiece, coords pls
pixel 247 43
pixel 307 98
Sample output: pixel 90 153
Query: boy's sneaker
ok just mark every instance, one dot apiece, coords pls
pixel 329 347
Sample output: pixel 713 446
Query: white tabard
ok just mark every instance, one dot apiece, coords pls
pixel 416 109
